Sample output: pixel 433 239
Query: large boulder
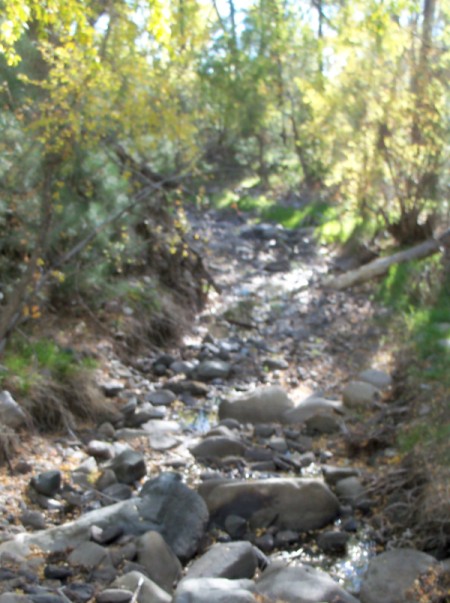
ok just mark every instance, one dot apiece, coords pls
pixel 392 576
pixel 214 590
pixel 231 560
pixel 166 505
pixel 160 562
pixel 311 407
pixel 301 584
pixel 289 503
pixel 359 394
pixel 264 405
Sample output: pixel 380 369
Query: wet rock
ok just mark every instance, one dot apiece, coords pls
pixel 300 584
pixel 114 595
pixel 129 466
pixel 218 447
pixel 180 367
pixel 147 590
pixel 289 503
pixel 100 450
pixel 264 405
pixel 33 519
pixel 57 572
pixel 360 393
pixel 332 542
pixel 334 474
pixel 47 483
pixel 311 407
pixel 213 369
pixel 349 490
pixel 378 379
pixel 11 414
pixel 161 564
pixel 161 397
pixel 214 590
pixel 231 560
pixel 392 574
pixel 87 555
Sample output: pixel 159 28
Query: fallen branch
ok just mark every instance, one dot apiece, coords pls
pixel 381 265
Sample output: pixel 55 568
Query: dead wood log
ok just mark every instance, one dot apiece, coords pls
pixel 381 265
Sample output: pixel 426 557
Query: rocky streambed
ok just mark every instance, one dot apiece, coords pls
pixel 226 471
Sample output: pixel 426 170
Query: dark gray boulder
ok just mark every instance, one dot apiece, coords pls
pixel 289 503
pixel 392 574
pixel 47 482
pixel 129 466
pixel 218 447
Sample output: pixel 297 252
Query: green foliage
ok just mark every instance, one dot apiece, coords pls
pixel 28 363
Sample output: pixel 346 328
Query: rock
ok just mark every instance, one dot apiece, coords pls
pixel 57 572
pixel 349 490
pixel 265 542
pixel 264 405
pixel 114 595
pixel 78 592
pixel 218 447
pixel 289 503
pixel 87 555
pixel 14 598
pixel 47 483
pixel 107 535
pixel 360 393
pixel 100 450
pixel 310 407
pixel 392 574
pixel 146 413
pixel 301 584
pixel 378 379
pixel 166 505
pixel 33 519
pixel 332 542
pixel 160 434
pixel 161 397
pixel 322 423
pixel 231 560
pixel 333 474
pixel 236 526
pixel 107 478
pixel 129 466
pixel 11 414
pixel 106 430
pixel 118 492
pixel 148 591
pixel 111 388
pixel 275 364
pixel 87 467
pixel 195 388
pixel 214 590
pixel 212 369
pixel 161 564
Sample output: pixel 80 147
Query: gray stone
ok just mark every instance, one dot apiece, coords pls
pixel 360 394
pixel 78 592
pixel 118 492
pixel 332 541
pixel 87 467
pixel 195 388
pixel 289 503
pixel 231 560
pixel 11 414
pixel 310 407
pixel 114 595
pixel 106 430
pixel 129 466
pixel 214 590
pixel 47 483
pixel 213 369
pixel 166 505
pixel 264 405
pixel 107 478
pixel 349 490
pixel 323 423
pixel 100 450
pixel 218 447
pixel 160 562
pixel 392 574
pixel 87 555
pixel 14 598
pixel 161 397
pixel 301 584
pixel 33 519
pixel 111 388
pixel 148 591
pixel 334 474
pixel 378 379
pixel 276 364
